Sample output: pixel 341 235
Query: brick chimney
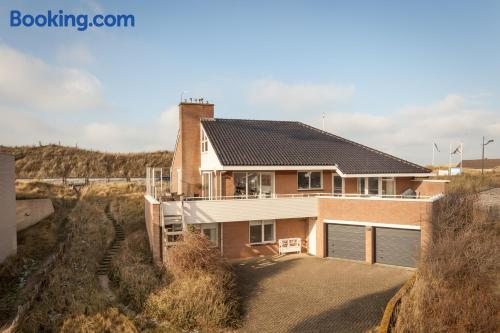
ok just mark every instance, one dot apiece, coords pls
pixel 188 149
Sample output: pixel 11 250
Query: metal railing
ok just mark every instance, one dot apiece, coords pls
pixel 307 195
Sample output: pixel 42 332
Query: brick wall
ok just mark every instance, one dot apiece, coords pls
pixel 408 212
pixel 429 187
pixel 152 219
pixel 187 151
pixel 236 238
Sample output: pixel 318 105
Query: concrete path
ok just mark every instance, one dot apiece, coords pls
pixel 299 293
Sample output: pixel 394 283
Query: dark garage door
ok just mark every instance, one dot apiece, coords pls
pixel 346 241
pixel 397 246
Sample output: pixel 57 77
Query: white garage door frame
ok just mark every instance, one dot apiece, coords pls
pixel 374 224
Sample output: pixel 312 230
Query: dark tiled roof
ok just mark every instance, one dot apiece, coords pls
pixel 240 142
pixel 476 164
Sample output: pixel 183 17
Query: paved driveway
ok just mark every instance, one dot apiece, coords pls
pixel 299 293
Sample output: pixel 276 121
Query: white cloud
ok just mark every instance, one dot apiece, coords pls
pixel 156 134
pixel 28 82
pixel 410 132
pixel 298 97
pixel 24 128
pixel 77 54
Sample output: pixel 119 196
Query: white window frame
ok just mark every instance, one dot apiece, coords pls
pixel 262 223
pixel 366 186
pixel 209 226
pixel 310 189
pixel 333 183
pixel 273 180
pixel 393 183
pixel 204 141
pixel 210 184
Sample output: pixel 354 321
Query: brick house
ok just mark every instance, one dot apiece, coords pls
pixel 251 185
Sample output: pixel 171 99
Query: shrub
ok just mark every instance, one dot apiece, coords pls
pixel 202 294
pixel 456 284
pixel 109 321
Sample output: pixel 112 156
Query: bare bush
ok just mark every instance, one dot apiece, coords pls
pixel 109 321
pixel 456 288
pixel 203 291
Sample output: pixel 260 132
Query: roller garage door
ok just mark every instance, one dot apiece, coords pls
pixel 346 241
pixel 397 246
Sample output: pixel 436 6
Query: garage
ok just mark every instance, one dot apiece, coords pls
pixel 346 241
pixel 397 246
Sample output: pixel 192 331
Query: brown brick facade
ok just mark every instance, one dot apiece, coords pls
pixel 188 150
pixel 404 212
pixel 236 238
pixel 152 218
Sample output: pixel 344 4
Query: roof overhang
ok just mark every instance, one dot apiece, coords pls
pixel 277 167
pixel 385 175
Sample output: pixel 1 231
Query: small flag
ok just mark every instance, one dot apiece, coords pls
pixel 457 150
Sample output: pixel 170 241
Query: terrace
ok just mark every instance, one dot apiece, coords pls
pixel 275 206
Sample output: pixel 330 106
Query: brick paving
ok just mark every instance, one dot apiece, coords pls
pixel 299 293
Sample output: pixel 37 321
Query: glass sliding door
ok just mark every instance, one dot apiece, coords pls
pixel 388 186
pixel 362 185
pixel 372 186
pixel 240 184
pixel 369 186
pixel 253 184
pixel 266 184
pixel 338 187
pixel 206 185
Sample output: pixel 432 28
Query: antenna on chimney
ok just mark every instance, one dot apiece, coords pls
pixel 182 94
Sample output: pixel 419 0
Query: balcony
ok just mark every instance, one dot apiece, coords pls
pixel 277 206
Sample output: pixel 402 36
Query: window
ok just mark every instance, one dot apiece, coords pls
pixel 210 231
pixel 372 185
pixel 204 141
pixel 262 232
pixel 368 185
pixel 254 184
pixel 206 185
pixel 388 186
pixel 361 185
pixel 309 180
pixel 337 184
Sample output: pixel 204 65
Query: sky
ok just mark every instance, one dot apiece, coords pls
pixel 393 75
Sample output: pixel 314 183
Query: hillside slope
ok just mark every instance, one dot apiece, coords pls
pixel 54 161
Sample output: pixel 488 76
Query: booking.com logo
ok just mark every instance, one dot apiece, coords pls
pixel 59 19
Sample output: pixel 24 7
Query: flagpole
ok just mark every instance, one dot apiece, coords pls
pixel 449 163
pixel 461 156
pixel 432 154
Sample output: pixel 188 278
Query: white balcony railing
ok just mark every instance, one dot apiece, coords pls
pixel 276 206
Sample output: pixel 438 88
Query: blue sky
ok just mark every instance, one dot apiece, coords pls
pixel 397 76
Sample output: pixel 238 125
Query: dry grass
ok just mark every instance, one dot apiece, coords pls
pixel 72 290
pixel 133 274
pixel 34 244
pixel 202 294
pixel 456 289
pixel 198 293
pixel 54 161
pixel 110 321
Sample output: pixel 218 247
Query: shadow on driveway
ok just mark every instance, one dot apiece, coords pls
pixel 299 293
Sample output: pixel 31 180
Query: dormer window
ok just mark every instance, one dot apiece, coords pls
pixel 204 141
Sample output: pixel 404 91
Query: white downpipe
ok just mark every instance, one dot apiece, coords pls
pixel 222 239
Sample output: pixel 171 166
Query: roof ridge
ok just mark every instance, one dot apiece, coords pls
pixel 362 146
pixel 247 119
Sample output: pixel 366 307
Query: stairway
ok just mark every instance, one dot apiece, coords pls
pixel 105 263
